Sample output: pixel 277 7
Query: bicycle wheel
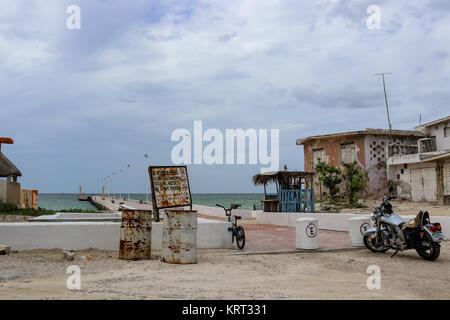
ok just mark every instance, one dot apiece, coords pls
pixel 240 237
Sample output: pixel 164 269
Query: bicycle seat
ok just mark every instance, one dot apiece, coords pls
pixel 235 206
pixel 237 217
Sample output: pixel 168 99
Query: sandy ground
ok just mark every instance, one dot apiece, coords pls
pixel 223 274
pixel 402 207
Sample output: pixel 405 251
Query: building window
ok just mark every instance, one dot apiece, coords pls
pixel 405 166
pixel 447 132
pixel 402 171
pixel 317 153
pixel 348 152
pixel 427 144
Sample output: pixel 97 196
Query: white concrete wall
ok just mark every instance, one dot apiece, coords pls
pixel 214 235
pixel 442 142
pixel 329 221
pixel 333 221
pixel 60 235
pixel 79 217
pixel 98 235
pixel 210 234
pixel 219 212
pixel 404 183
pixel 401 159
pixel 402 177
pixel 375 159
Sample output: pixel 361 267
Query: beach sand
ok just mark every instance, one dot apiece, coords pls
pixel 223 274
pixel 404 207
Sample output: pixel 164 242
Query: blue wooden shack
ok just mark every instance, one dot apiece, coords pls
pixel 295 192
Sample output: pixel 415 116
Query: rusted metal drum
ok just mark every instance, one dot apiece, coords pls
pixel 179 243
pixel 136 235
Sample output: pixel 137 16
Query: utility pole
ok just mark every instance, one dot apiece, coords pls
pixel 387 107
pixel 120 179
pixel 114 184
pixel 108 193
pixel 146 181
pixel 129 169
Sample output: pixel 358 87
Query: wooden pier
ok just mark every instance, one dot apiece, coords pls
pixel 114 204
pixel 83 197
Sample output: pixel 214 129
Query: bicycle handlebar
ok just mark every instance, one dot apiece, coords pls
pixel 233 206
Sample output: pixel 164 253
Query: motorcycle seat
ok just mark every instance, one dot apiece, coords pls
pixel 414 222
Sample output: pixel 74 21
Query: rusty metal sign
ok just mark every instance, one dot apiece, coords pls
pixel 170 187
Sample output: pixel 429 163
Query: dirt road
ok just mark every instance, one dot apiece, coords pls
pixel 403 207
pixel 222 274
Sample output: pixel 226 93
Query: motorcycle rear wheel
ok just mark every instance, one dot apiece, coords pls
pixel 369 242
pixel 428 250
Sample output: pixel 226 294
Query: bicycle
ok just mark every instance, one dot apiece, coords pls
pixel 237 231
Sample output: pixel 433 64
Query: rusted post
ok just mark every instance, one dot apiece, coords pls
pixel 179 244
pixel 136 235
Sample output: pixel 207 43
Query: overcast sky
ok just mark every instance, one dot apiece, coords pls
pixel 81 104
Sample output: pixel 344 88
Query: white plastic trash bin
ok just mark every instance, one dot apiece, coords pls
pixel 356 228
pixel 307 233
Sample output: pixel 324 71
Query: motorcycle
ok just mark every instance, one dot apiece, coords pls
pixel 389 231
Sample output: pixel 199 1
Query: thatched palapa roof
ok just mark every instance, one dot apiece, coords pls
pixel 7 168
pixel 274 176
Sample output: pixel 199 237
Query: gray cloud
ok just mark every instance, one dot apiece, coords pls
pixel 349 97
pixel 227 37
pixel 81 104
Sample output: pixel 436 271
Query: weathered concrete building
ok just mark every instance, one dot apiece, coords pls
pixel 421 169
pixel 366 147
pixel 9 188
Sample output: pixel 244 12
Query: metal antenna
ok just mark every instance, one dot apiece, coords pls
pixel 387 108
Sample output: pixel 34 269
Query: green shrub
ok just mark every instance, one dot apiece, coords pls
pixel 330 176
pixel 355 182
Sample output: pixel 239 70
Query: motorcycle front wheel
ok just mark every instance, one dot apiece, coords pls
pixel 428 250
pixel 370 243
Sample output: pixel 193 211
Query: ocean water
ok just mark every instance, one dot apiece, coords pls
pixel 62 201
